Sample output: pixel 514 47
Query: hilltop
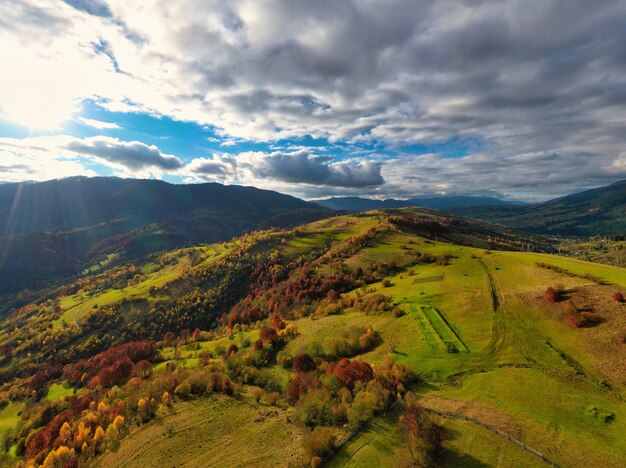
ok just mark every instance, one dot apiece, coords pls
pixel 234 351
pixel 56 229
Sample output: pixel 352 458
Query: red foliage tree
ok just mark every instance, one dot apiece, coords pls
pixel 169 338
pixel 349 372
pixel 143 368
pixel 618 296
pixel 277 322
pixel 300 385
pixel 303 363
pixel 269 335
pixel 551 295
pixel 232 349
pixel 113 366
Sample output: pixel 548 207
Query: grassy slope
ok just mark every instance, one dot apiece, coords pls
pixel 214 431
pixel 56 391
pixel 9 416
pixel 75 307
pixel 510 371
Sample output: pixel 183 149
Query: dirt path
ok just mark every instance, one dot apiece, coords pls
pixel 498 330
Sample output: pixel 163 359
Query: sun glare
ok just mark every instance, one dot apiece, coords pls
pixel 34 105
pixel 39 115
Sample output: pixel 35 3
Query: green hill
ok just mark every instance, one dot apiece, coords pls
pixel 461 304
pixel 51 231
pixel 600 211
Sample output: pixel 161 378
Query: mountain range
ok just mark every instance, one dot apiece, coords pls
pixel 599 211
pixel 55 229
pixel 437 203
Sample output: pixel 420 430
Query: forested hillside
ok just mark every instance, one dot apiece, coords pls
pixel 385 338
pixel 56 229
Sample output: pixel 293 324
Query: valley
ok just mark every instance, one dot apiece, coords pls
pixel 471 322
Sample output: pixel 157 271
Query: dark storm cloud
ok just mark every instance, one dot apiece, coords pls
pixel 299 167
pixel 131 154
pixel 302 167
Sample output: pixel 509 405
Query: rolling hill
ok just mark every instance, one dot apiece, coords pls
pixel 438 203
pixel 55 229
pixel 341 325
pixel 600 211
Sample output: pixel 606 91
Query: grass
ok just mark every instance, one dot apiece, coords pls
pixel 78 306
pixel 553 413
pixel 56 391
pixel 10 416
pixel 518 367
pixel 212 431
pixel 190 356
pixel 511 358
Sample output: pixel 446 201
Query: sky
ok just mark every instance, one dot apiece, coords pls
pixel 520 99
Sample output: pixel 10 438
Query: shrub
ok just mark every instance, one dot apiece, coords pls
pixel 257 393
pixel 552 295
pixel 362 409
pixel 319 443
pixel 571 316
pixel 303 363
pixel 421 434
pixel 618 296
pixel 318 408
pixel 183 390
pixel 273 398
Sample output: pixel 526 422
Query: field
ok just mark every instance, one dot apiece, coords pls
pixel 472 322
pixel 209 432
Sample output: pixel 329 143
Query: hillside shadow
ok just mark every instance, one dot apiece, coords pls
pixel 452 458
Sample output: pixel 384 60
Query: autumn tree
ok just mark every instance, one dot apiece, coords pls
pixel 552 295
pixel 320 442
pixel 303 363
pixel 421 434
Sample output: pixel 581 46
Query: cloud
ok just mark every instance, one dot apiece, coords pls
pixel 74 155
pixel 289 169
pixel 399 72
pixel 99 124
pixel 131 154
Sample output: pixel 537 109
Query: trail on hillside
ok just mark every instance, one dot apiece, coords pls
pixel 498 329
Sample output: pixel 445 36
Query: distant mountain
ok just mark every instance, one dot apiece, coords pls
pixel 54 229
pixel 600 211
pixel 439 203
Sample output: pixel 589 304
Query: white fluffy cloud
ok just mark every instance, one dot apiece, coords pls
pixel 47 157
pixel 526 77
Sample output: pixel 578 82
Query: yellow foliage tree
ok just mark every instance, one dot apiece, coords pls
pixel 119 422
pixel 113 436
pixel 99 438
pixel 82 434
pixel 59 457
pixel 65 432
